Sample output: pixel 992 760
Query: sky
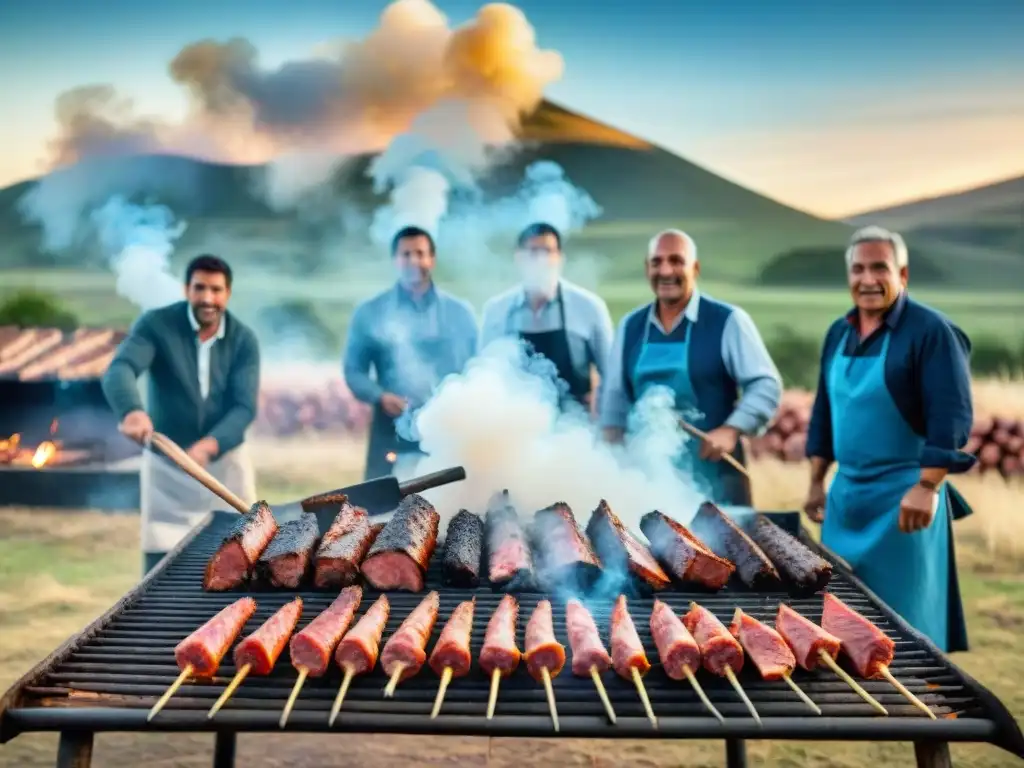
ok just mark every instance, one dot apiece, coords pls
pixel 833 108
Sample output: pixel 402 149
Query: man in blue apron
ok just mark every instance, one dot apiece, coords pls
pixel 565 323
pixel 708 353
pixel 411 336
pixel 893 409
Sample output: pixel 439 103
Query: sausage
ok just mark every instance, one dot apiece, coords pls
pixel 719 649
pixel 452 648
pixel 205 647
pixel 588 650
pixel 312 647
pixel 358 649
pixel 543 651
pixel 261 649
pixel 464 540
pixel 499 651
pixel 407 645
pixel 676 647
pixel 627 649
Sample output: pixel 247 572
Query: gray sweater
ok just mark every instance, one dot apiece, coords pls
pixel 163 343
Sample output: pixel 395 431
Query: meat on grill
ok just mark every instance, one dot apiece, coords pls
pixel 588 650
pixel 358 649
pixel 805 638
pixel 287 559
pixel 205 647
pixel 718 648
pixel 676 647
pixel 232 563
pixel 619 550
pixel 510 561
pixel 408 645
pixel 452 648
pixel 866 645
pixel 84 343
pixel 463 542
pixel 765 647
pixel 627 649
pixel 728 540
pixel 685 557
pixel 803 569
pixel 541 649
pixel 399 557
pixel 313 646
pixel 261 649
pixel 500 651
pixel 324 502
pixel 566 560
pixel 31 344
pixel 343 548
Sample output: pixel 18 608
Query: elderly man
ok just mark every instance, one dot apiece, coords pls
pixel 893 409
pixel 411 336
pixel 204 379
pixel 708 353
pixel 565 323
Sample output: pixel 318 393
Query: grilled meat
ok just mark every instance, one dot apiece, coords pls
pixel 763 645
pixel 620 551
pixel 588 649
pixel 728 540
pixel 627 649
pixel 542 649
pixel 565 558
pixel 205 647
pixel 718 648
pixel 499 651
pixel 399 557
pixel 408 645
pixel 358 649
pixel 460 563
pixel 805 638
pixel 805 571
pixel 232 563
pixel 329 501
pixel 312 647
pixel 676 647
pixel 868 647
pixel 287 559
pixel 510 562
pixel 261 649
pixel 343 548
pixel 685 557
pixel 452 648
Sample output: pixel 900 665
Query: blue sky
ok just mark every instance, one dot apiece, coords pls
pixel 831 107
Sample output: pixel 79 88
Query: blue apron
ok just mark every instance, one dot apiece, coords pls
pixel 668 364
pixel 879 458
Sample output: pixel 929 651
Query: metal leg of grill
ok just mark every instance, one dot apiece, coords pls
pixel 74 749
pixel 735 753
pixel 932 754
pixel 224 750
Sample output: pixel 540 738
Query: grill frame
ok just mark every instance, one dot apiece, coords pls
pixel 41 700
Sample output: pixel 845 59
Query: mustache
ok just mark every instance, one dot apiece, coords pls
pixel 668 281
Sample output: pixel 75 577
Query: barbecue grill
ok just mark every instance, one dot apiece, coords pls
pixel 107 677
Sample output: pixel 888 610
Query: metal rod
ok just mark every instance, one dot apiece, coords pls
pixel 74 749
pixel 224 749
pixel 932 754
pixel 735 753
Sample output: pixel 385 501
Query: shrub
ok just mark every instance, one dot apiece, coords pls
pixel 36 308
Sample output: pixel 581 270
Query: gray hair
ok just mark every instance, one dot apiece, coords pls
pixel 874 234
pixel 691 246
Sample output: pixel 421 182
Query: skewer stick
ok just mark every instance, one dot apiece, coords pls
pixel 185 674
pixel 232 686
pixel 173 451
pixel 907 694
pixel 546 677
pixel 350 672
pixel 602 693
pixel 728 458
pixel 389 689
pixel 493 699
pixel 640 689
pixel 701 695
pixel 831 664
pixel 303 672
pixel 446 677
pixel 731 677
pixel 800 692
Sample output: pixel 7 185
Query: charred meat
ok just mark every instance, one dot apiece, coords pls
pixel 460 563
pixel 685 557
pixel 566 560
pixel 619 550
pixel 324 502
pixel 728 540
pixel 804 570
pixel 509 559
pixel 343 548
pixel 287 560
pixel 232 563
pixel 399 557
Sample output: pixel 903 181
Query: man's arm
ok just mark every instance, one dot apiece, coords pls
pixel 820 449
pixel 358 359
pixel 944 378
pixel 747 360
pixel 134 357
pixel 243 392
pixel 615 402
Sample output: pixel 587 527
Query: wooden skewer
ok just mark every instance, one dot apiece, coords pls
pixel 701 695
pixel 446 677
pixel 640 689
pixel 546 677
pixel 389 689
pixel 350 672
pixel 731 677
pixel 303 672
pixel 173 451
pixel 232 686
pixel 800 692
pixel 185 674
pixel 728 458
pixel 907 694
pixel 493 698
pixel 831 664
pixel 602 693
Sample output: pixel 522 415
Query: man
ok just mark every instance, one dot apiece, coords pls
pixel 412 336
pixel 204 377
pixel 893 408
pixel 708 353
pixel 565 323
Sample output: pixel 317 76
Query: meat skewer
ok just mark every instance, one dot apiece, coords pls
pixel 589 656
pixel 286 560
pixel 463 542
pixel 201 652
pixel 401 553
pixel 544 655
pixel 870 649
pixel 234 559
pixel 804 570
pixel 720 651
pixel 628 657
pixel 620 552
pixel 684 556
pixel 728 540
pixel 769 652
pixel 357 652
pixel 510 565
pixel 343 548
pixel 679 652
pixel 258 652
pixel 499 656
pixel 404 653
pixel 452 656
pixel 311 649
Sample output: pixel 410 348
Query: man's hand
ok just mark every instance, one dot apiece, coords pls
pixel 393 405
pixel 917 508
pixel 204 451
pixel 137 426
pixel 814 506
pixel 719 442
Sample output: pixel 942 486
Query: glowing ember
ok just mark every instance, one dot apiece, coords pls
pixel 43 454
pixel 10 445
pixel 392 457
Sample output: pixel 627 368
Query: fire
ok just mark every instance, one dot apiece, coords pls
pixel 10 445
pixel 43 454
pixel 391 457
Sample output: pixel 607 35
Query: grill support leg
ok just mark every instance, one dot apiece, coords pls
pixel 735 753
pixel 224 750
pixel 932 754
pixel 74 749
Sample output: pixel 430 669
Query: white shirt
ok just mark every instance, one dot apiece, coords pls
pixel 203 352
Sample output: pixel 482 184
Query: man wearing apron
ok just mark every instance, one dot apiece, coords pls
pixel 893 409
pixel 708 353
pixel 203 367
pixel 401 344
pixel 564 323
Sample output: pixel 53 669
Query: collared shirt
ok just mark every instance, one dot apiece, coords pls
pixel 203 349
pixel 744 355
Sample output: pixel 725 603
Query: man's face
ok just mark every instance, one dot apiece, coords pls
pixel 672 270
pixel 540 263
pixel 875 280
pixel 414 259
pixel 208 293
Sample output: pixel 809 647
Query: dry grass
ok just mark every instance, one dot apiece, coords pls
pixel 999 397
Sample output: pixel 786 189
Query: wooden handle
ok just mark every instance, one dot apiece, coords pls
pixel 433 480
pixel 727 457
pixel 172 451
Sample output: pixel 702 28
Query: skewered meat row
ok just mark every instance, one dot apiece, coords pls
pixel 567 560
pixel 685 556
pixel 464 540
pixel 805 638
pixel 865 644
pixel 728 540
pixel 542 649
pixel 719 650
pixel 343 547
pixel 588 650
pixel 261 649
pixel 619 550
pixel 510 561
pixel 359 648
pixel 232 563
pixel 407 647
pixel 499 652
pixel 205 647
pixel 765 647
pixel 627 649
pixel 313 646
pixel 401 553
pixel 35 353
pixel 452 649
pixel 287 559
pixel 806 571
